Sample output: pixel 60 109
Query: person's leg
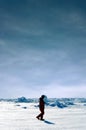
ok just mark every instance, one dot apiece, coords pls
pixel 40 116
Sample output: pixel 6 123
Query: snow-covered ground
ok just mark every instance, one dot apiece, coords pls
pixel 22 116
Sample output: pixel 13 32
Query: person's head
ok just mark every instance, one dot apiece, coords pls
pixel 42 96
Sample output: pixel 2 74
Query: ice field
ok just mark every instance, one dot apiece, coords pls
pixel 22 116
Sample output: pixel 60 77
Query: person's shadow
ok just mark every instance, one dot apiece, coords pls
pixel 48 122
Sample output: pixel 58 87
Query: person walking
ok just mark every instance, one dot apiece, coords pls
pixel 42 102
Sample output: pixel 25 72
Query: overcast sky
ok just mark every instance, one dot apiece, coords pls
pixel 42 48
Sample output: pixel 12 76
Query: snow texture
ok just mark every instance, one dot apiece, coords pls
pixel 60 114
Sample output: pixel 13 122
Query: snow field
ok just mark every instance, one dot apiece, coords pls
pixel 22 116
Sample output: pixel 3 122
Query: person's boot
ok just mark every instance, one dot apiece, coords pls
pixel 37 117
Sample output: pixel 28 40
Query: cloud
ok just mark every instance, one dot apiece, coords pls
pixel 42 45
pixel 56 90
pixel 2 42
pixel 42 22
